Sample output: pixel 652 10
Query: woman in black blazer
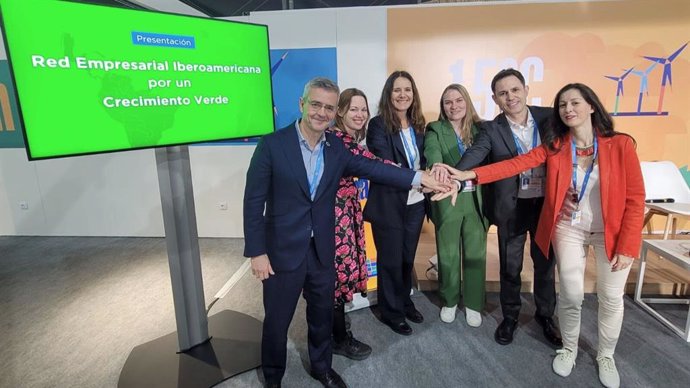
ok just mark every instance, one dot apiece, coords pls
pixel 396 216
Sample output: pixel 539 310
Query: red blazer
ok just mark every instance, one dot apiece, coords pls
pixel 622 190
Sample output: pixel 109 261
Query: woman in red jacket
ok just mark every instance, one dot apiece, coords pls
pixel 594 197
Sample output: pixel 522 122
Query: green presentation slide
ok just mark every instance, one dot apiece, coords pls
pixel 96 79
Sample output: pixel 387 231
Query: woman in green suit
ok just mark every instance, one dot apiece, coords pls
pixel 460 229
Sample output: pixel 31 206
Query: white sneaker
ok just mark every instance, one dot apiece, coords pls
pixel 564 362
pixel 608 374
pixel 474 318
pixel 448 313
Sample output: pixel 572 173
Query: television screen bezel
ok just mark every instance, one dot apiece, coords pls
pixel 27 145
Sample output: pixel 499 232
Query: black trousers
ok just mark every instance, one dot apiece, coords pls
pixel 281 293
pixel 512 235
pixel 395 253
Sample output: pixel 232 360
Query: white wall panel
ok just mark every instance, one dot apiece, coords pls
pixel 18 183
pixel 362 36
pixel 6 218
pixel 100 195
pixel 219 175
pixel 311 28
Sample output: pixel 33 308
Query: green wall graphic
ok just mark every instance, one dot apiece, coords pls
pixel 148 79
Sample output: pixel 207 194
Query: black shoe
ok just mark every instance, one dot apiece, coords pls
pixel 504 331
pixel 351 348
pixel 272 385
pixel 330 379
pixel 401 328
pixel 551 332
pixel 414 315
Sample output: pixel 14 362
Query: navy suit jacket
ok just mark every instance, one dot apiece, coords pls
pixel 494 143
pixel 279 214
pixel 386 205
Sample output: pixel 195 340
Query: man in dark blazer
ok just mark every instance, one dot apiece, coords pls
pixel 514 204
pixel 289 226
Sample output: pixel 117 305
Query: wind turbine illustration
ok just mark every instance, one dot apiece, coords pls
pixel 644 86
pixel 666 76
pixel 277 65
pixel 619 89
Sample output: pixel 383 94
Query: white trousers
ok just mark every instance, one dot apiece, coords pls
pixel 571 246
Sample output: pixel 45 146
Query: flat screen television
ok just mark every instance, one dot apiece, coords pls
pixel 92 78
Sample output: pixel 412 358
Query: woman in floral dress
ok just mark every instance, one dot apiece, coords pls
pixel 350 252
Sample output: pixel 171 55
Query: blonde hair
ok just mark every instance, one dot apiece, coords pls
pixel 471 117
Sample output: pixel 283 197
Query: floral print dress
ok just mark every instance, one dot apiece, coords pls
pixel 350 248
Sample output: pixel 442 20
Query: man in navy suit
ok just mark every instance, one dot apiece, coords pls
pixel 289 225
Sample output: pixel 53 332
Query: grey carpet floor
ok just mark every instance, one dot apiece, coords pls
pixel 71 310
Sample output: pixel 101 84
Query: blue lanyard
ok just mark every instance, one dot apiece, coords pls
pixel 409 149
pixel 589 169
pixel 518 143
pixel 317 170
pixel 461 145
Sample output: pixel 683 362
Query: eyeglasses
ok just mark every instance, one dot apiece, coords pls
pixel 316 106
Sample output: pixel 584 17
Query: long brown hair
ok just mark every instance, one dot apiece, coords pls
pixel 471 116
pixel 387 111
pixel 344 105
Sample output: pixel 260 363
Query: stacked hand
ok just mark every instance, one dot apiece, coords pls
pixel 446 171
pixel 452 177
pixel 431 183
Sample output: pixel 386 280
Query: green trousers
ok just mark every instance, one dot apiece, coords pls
pixel 461 250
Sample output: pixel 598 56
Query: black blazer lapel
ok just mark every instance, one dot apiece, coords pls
pixel 506 134
pixel 399 149
pixel 329 167
pixel 293 156
pixel 540 120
